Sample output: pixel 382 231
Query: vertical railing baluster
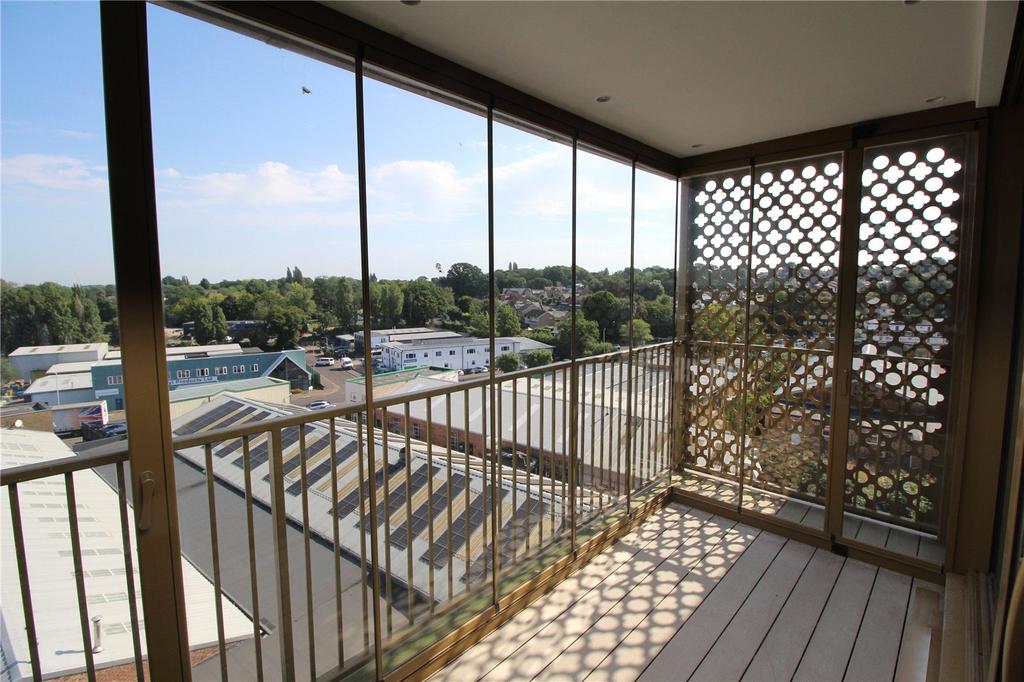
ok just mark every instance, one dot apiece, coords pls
pixel 515 471
pixel 280 520
pixel 339 615
pixel 596 475
pixel 363 481
pixel 430 501
pixel 465 452
pixel 385 463
pixel 451 494
pixel 619 416
pixel 540 457
pixel 76 554
pixel 529 465
pixel 566 461
pixel 26 590
pixel 552 469
pixel 211 501
pixel 251 534
pixel 129 570
pixel 304 483
pixel 410 584
pixel 498 453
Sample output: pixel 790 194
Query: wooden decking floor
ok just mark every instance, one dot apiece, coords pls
pixel 692 596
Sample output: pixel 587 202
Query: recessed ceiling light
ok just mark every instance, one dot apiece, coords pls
pixel 697 146
pixel 935 100
pixel 604 98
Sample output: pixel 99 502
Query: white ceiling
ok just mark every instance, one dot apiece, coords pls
pixel 719 74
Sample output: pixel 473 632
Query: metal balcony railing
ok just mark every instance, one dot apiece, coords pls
pixel 339 536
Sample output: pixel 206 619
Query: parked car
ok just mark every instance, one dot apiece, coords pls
pixel 319 405
pixel 324 361
pixel 476 370
pixel 115 429
pixel 346 363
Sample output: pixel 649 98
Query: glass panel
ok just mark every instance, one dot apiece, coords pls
pixel 603 204
pixel 914 218
pixel 255 155
pixel 426 166
pixel 715 229
pixel 533 256
pixel 74 533
pixel 793 305
pixel 654 321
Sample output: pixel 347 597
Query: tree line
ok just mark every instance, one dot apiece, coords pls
pixel 293 305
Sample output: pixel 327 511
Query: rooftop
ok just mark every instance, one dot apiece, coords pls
pixel 45 518
pixel 71 367
pixel 60 382
pixel 63 348
pixel 172 351
pixel 216 388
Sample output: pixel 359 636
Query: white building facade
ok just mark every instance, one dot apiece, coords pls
pixel 463 352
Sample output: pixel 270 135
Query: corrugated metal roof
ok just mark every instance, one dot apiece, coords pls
pixel 62 348
pixel 60 382
pixel 172 351
pixel 215 388
pixel 51 571
pixel 71 367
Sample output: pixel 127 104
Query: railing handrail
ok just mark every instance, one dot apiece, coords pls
pixel 65 465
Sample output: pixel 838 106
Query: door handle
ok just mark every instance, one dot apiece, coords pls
pixel 143 510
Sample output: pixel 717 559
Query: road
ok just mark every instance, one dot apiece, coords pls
pixel 333 379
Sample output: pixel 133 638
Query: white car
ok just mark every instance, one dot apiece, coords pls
pixel 319 405
pixel 346 363
pixel 324 361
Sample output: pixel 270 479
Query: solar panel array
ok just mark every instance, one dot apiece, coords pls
pixel 233 446
pixel 200 423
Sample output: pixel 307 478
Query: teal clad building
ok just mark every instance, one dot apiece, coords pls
pixel 200 368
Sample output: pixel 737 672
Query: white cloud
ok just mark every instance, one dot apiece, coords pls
pixel 271 184
pixel 51 172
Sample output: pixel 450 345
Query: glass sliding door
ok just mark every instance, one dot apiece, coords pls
pixel 793 296
pixel 715 254
pixel 913 239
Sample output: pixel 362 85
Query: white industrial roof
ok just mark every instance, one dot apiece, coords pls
pixel 458 340
pixel 51 571
pixel 218 387
pixel 71 367
pixel 217 349
pixel 62 348
pixel 60 382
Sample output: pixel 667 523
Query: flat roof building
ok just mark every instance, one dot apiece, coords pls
pixel 459 352
pixel 30 361
pixel 61 389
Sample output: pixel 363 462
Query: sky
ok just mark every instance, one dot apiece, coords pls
pixel 254 175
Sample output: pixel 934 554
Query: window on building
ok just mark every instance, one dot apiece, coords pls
pixel 456 441
pixel 426 355
pixel 395 424
pixel 504 348
pixel 416 431
pixel 203 372
pixel 437 354
pixel 220 371
pixel 184 373
pixel 471 351
pixel 451 352
pixel 255 367
pixel 410 356
pixel 115 380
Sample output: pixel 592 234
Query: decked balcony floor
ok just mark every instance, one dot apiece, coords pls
pixel 692 596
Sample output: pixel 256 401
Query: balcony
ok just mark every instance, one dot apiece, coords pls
pixel 812 470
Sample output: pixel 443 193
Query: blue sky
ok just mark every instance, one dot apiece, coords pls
pixel 254 176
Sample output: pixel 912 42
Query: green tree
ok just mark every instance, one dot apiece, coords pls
pixel 538 358
pixel 425 301
pixel 466 279
pixel 641 333
pixel 386 301
pixel 506 322
pixel 7 371
pixel 607 310
pixel 659 314
pixel 509 362
pixel 285 322
pixel 586 337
